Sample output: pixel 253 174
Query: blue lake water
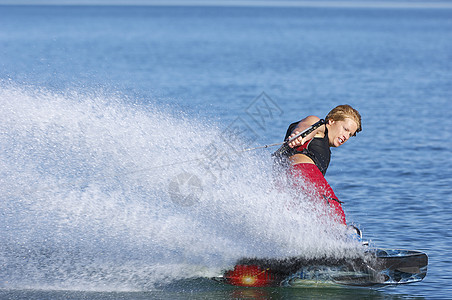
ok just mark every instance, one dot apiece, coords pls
pixel 106 110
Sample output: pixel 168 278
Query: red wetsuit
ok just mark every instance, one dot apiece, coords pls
pixel 323 191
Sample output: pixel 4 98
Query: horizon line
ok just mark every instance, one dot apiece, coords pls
pixel 234 3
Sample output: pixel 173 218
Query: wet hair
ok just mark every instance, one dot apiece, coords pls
pixel 341 112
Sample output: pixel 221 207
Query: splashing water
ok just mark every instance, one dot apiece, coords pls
pixel 99 193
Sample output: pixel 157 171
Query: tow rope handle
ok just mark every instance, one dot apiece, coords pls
pixel 285 146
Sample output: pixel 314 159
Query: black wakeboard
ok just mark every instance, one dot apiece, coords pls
pixel 378 267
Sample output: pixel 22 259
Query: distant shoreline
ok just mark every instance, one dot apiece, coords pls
pixel 236 3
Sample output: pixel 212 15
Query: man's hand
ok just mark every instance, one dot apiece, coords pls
pixel 296 142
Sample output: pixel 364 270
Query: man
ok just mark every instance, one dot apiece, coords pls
pixel 309 157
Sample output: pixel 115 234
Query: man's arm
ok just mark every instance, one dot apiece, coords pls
pixel 302 125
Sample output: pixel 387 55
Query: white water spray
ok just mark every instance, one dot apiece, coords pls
pixel 102 194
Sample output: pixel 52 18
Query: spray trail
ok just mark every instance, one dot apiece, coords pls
pixel 101 193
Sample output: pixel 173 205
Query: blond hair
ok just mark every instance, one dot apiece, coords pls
pixel 341 112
